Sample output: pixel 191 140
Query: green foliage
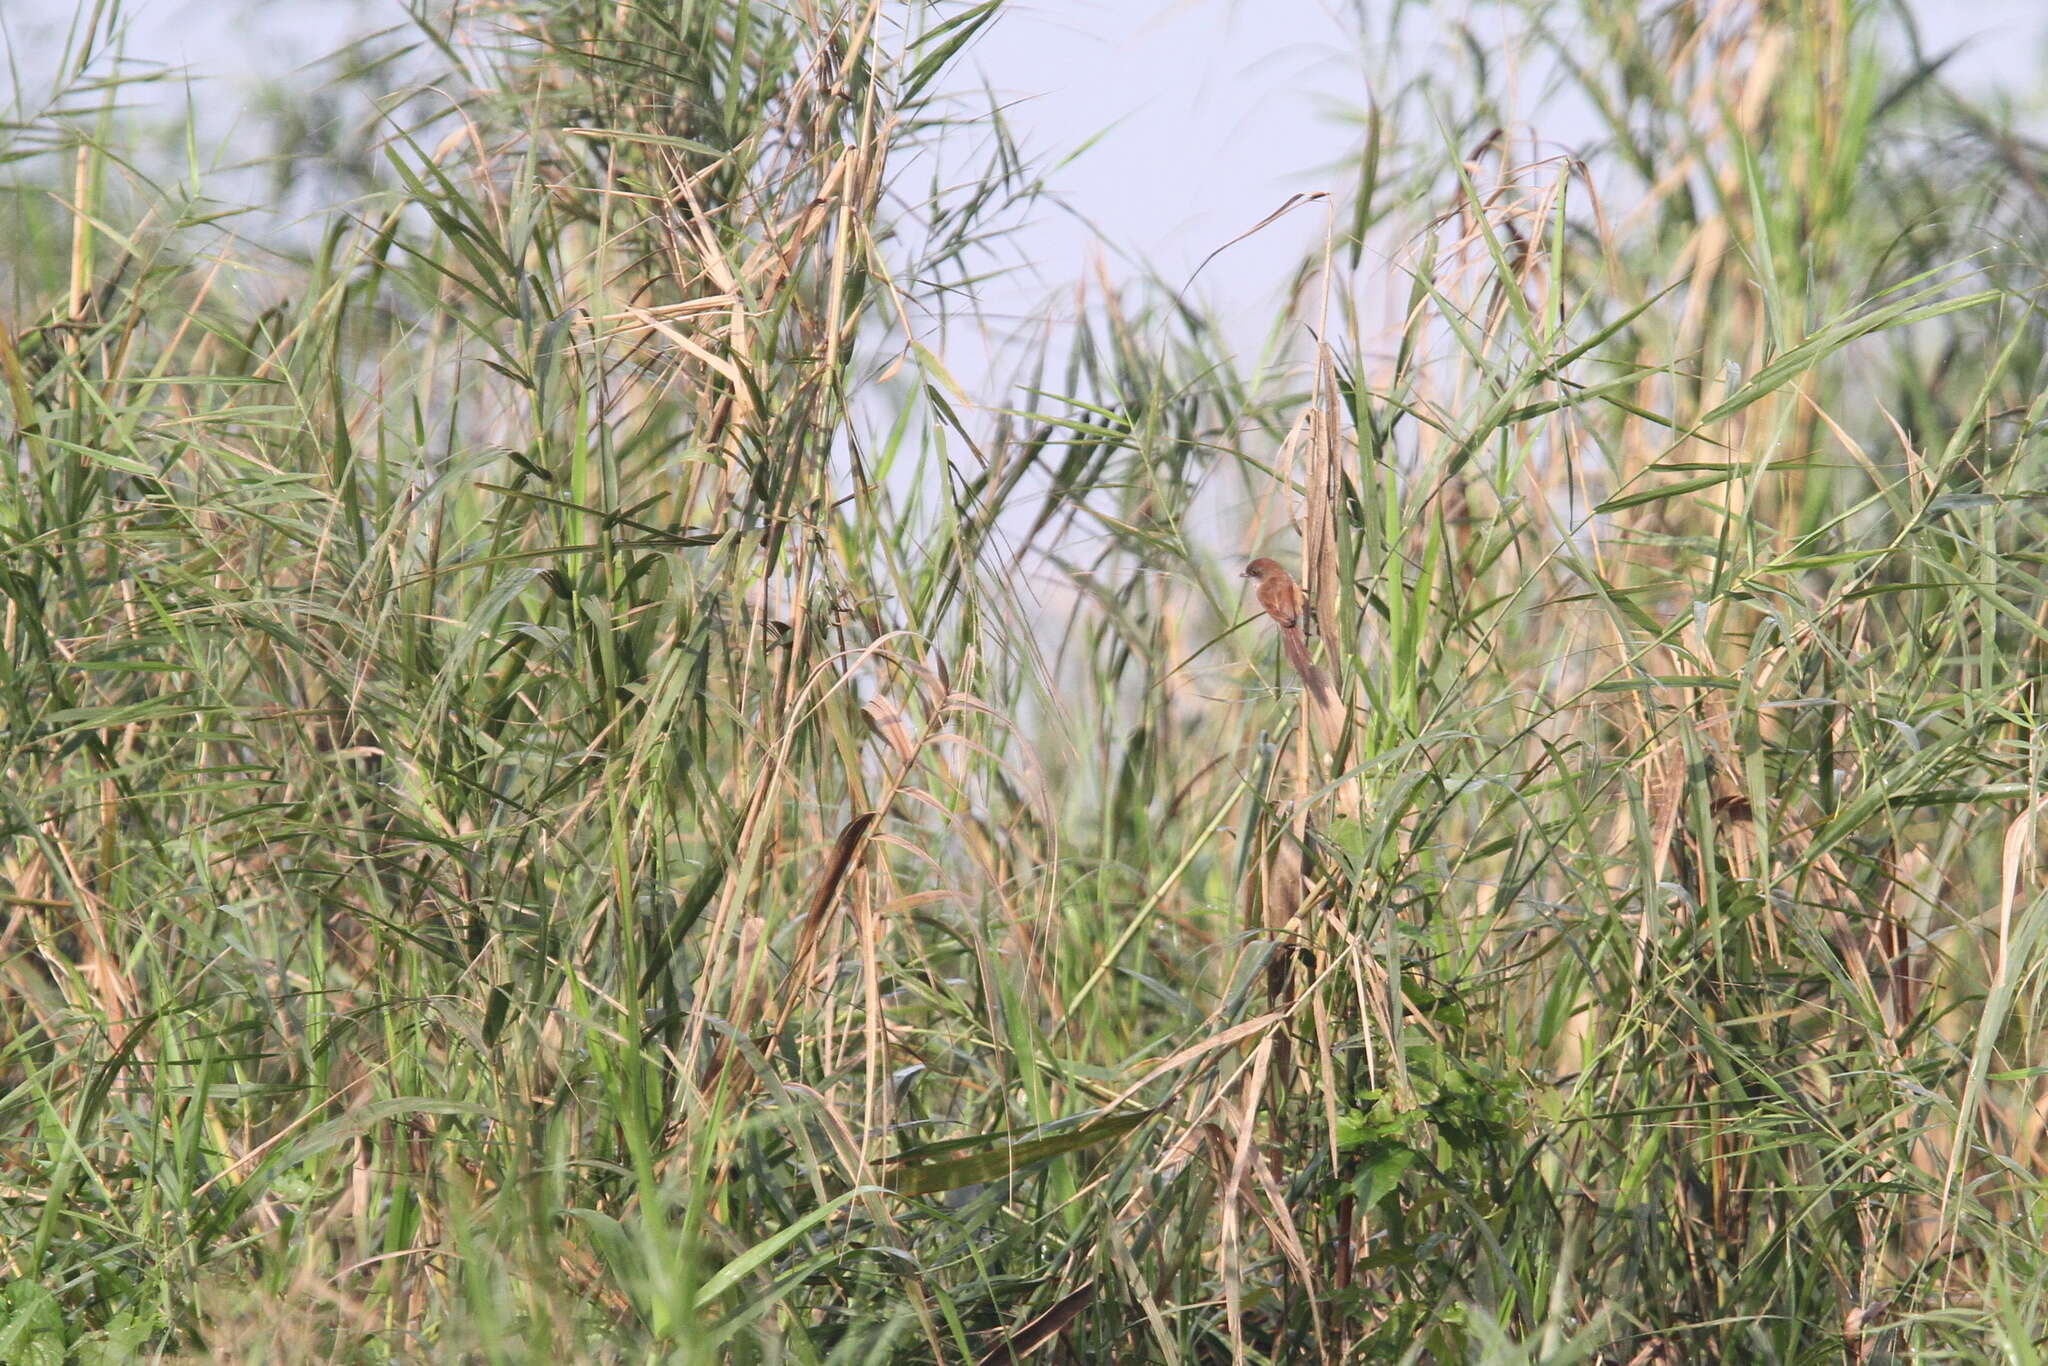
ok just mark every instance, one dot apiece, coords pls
pixel 568 792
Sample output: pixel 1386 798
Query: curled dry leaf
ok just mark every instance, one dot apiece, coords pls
pixel 890 723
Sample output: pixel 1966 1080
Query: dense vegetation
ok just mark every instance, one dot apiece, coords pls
pixel 570 790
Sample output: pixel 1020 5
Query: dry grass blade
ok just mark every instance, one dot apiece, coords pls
pixel 1041 1330
pixel 584 777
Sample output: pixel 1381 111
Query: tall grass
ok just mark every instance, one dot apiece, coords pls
pixel 573 795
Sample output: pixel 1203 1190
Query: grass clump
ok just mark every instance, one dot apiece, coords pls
pixel 572 793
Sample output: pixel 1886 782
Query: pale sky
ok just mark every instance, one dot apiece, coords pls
pixel 1211 112
pixel 1218 110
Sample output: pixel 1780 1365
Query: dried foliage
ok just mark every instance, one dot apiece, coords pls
pixel 572 794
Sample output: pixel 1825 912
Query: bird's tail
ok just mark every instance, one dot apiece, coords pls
pixel 1312 678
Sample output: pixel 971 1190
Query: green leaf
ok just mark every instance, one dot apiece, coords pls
pixel 729 1275
pixel 1382 1175
pixel 1004 1158
pixel 1663 491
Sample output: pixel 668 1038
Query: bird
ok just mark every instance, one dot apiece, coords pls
pixel 1284 602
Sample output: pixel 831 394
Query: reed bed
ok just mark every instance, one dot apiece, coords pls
pixel 586 780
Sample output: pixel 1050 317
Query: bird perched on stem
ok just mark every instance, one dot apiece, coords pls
pixel 1284 602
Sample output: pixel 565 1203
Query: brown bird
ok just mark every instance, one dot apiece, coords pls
pixel 1282 598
